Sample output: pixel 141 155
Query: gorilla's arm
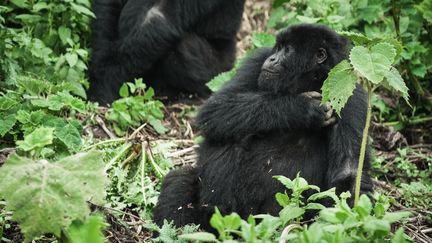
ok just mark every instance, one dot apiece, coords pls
pixel 239 109
pixel 344 145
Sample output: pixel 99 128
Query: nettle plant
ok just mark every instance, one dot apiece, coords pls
pixel 52 197
pixel 135 107
pixel 366 222
pixel 371 65
pixel 47 38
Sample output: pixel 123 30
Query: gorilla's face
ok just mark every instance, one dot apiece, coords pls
pixel 301 59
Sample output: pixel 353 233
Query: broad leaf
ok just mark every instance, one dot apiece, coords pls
pixel 396 82
pixel 70 136
pixel 39 138
pixel 374 64
pixel 339 86
pixel 7 124
pixel 46 197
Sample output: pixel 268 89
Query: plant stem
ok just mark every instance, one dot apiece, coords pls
pixel 363 146
pixel 143 161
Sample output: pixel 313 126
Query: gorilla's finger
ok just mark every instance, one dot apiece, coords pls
pixel 312 95
pixel 329 122
pixel 329 114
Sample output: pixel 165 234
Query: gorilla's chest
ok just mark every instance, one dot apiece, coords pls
pixel 276 154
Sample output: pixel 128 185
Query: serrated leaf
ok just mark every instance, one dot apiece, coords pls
pixel 396 216
pixel 386 49
pixel 46 197
pixel 217 82
pixel 7 124
pixel 289 213
pixel 70 136
pixel 39 138
pixel 374 64
pixel 356 38
pixel 395 80
pixel 339 86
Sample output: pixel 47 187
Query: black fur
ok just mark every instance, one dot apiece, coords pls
pixel 260 125
pixel 175 45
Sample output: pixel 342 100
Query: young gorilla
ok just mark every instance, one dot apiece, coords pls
pixel 177 46
pixel 268 121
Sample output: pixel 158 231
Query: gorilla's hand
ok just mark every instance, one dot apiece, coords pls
pixel 323 113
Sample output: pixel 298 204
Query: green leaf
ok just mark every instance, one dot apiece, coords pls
pixel 289 213
pixel 82 9
pixel 46 197
pixel 399 236
pixel 364 206
pixel 7 124
pixel 372 225
pixel 217 82
pixel 158 126
pixel 64 34
pixel 287 182
pixel 282 199
pixel 71 58
pixel 70 136
pixel 89 231
pixel 374 64
pixel 39 138
pixel 356 38
pixel 263 40
pixel 124 91
pixel 396 216
pixel 339 86
pixel 395 81
pixel 200 236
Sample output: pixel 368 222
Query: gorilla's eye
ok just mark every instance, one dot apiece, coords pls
pixel 321 55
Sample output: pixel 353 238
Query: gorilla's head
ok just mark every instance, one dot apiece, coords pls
pixel 301 59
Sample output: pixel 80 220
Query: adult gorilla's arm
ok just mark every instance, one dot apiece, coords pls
pixel 344 145
pixel 240 109
pixel 118 59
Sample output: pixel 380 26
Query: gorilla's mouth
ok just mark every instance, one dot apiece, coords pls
pixel 267 74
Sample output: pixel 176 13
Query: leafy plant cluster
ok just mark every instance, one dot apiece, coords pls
pixel 46 38
pixel 33 117
pixel 366 222
pixel 135 107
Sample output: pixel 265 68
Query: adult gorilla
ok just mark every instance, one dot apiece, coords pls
pixel 176 46
pixel 268 121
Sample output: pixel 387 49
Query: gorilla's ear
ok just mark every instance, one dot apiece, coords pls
pixel 321 55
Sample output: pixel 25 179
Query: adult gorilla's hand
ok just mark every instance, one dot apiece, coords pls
pixel 322 113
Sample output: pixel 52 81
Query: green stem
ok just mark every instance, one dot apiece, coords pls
pixel 363 146
pixel 119 154
pixel 143 161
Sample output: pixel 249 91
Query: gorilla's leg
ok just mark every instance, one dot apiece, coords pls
pixel 178 198
pixel 192 64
